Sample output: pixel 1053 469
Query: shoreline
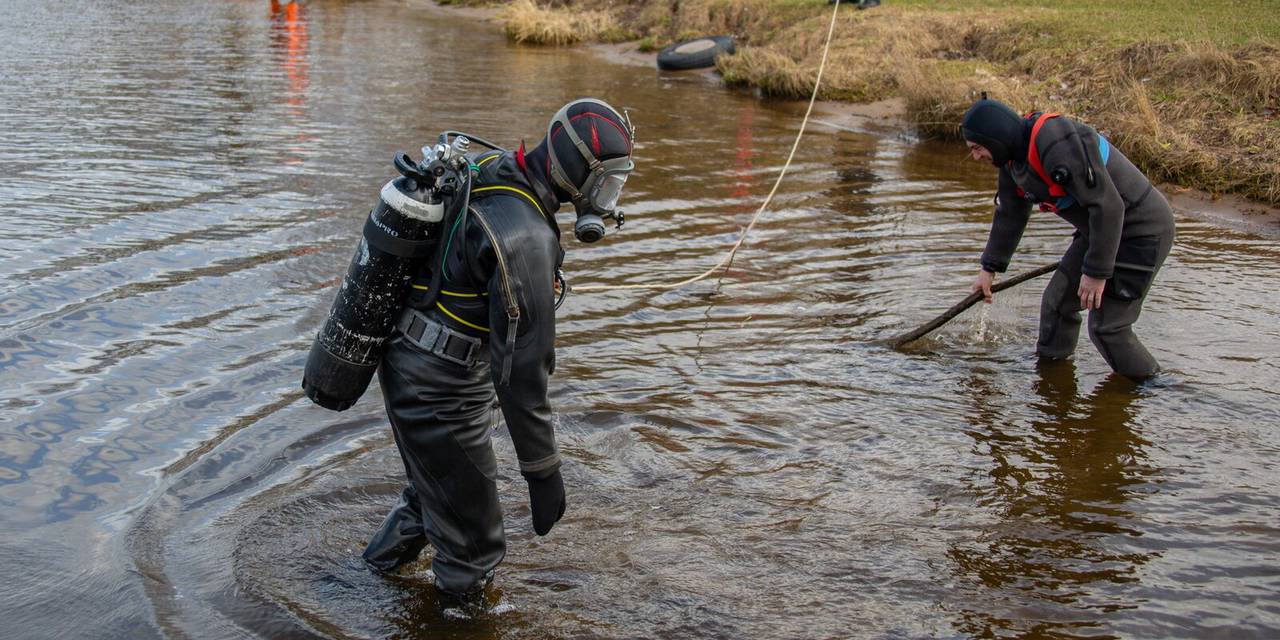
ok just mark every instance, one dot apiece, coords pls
pixel 1228 211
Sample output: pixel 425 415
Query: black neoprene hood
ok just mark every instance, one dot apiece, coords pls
pixel 1001 130
pixel 600 128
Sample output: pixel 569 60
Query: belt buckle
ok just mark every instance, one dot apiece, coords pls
pixel 442 343
pixel 418 329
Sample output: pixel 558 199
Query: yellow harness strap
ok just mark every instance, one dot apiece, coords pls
pixel 491 188
pixel 522 192
pixel 456 294
pixel 460 320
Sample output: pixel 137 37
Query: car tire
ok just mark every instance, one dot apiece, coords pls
pixel 694 54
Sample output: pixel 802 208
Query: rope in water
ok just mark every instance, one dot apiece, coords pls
pixel 728 257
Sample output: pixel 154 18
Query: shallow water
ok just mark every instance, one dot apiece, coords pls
pixel 182 183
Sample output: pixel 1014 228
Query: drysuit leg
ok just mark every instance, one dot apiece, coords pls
pixel 1111 330
pixel 1111 326
pixel 401 537
pixel 1060 306
pixel 441 415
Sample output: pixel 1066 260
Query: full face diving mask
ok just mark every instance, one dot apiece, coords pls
pixel 597 199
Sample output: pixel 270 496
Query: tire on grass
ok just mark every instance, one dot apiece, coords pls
pixel 694 54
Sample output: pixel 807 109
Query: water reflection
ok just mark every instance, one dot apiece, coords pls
pixel 733 443
pixel 744 149
pixel 1065 488
pixel 289 42
pixel 418 607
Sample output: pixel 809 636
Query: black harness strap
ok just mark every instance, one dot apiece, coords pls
pixel 377 236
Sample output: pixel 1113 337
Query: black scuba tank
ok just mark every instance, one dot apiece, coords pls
pixel 402 228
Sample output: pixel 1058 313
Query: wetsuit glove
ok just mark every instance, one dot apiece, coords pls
pixel 546 500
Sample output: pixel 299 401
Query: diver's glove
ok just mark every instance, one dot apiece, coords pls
pixel 546 500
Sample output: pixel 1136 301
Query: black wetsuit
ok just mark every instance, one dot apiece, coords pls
pixel 439 385
pixel 1124 229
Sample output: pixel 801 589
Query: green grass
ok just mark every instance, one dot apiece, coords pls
pixel 1121 22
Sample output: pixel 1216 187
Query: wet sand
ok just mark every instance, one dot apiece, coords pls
pixel 1228 211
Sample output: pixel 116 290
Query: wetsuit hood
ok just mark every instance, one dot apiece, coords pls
pixel 1001 130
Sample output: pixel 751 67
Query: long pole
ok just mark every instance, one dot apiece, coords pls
pixel 972 299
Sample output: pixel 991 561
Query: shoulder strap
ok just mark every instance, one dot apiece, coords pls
pixel 509 190
pixel 490 181
pixel 509 294
pixel 1033 156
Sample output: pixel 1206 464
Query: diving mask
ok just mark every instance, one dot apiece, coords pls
pixel 597 198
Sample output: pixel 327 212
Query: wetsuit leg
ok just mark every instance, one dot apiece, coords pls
pixel 1111 329
pixel 441 414
pixel 1060 306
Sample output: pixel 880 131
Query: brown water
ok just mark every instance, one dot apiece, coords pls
pixel 182 182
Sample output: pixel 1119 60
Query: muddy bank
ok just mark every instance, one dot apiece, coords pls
pixel 1228 211
pixel 1191 93
pixel 894 114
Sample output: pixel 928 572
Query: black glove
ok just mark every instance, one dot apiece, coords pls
pixel 546 500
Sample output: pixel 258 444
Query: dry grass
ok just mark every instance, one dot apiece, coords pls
pixel 528 23
pixel 1194 114
pixel 1190 89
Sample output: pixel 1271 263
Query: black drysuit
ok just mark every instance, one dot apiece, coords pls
pixel 439 385
pixel 1124 229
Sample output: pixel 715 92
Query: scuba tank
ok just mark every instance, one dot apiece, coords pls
pixel 403 228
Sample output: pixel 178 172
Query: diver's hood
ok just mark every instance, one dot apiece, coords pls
pixel 1001 130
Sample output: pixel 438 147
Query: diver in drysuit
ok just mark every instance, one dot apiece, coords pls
pixel 480 322
pixel 1124 227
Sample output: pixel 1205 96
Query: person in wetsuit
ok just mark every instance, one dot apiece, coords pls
pixel 480 323
pixel 1124 227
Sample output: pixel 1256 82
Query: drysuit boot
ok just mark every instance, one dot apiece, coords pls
pixel 466 604
pixel 440 413
pixel 400 538
pixel 1110 326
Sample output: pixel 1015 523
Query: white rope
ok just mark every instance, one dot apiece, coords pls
pixel 728 258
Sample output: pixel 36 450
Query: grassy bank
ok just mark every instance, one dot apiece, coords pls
pixel 1189 89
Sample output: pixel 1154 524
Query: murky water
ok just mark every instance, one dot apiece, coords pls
pixel 182 182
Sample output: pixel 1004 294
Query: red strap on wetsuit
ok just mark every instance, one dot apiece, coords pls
pixel 1033 158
